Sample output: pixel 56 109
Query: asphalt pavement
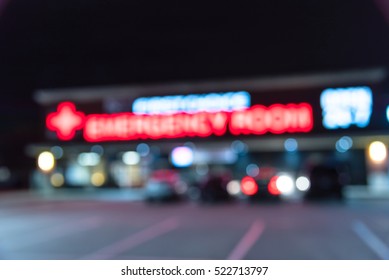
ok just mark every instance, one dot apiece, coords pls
pixel 37 226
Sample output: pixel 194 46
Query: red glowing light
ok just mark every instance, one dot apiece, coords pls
pixel 257 120
pixel 249 186
pixel 165 175
pixel 128 126
pixel 65 121
pixel 275 119
pixel 272 186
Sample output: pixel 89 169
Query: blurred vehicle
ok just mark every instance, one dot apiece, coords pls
pixel 211 189
pixel 274 185
pixel 261 187
pixel 164 185
pixel 325 183
pixel 214 188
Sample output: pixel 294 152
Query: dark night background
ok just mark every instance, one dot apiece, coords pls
pixel 67 43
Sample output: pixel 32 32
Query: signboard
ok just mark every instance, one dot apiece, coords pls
pixel 257 120
pixel 224 114
pixel 343 107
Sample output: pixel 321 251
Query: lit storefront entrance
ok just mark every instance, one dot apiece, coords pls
pixel 116 137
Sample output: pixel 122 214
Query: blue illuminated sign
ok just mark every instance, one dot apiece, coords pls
pixel 387 113
pixel 343 107
pixel 210 102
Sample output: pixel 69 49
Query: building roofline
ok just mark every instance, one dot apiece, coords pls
pixel 301 81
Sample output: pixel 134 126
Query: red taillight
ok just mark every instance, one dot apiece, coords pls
pixel 249 186
pixel 272 186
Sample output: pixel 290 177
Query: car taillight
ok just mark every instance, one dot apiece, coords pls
pixel 272 186
pixel 249 186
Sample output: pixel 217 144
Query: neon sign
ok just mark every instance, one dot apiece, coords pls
pixel 256 120
pixel 343 107
pixel 128 126
pixel 211 102
pixel 66 121
pixel 275 119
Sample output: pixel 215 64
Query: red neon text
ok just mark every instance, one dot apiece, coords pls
pixel 257 120
pixel 128 126
pixel 275 119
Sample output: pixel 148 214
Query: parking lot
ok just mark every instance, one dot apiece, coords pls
pixel 76 226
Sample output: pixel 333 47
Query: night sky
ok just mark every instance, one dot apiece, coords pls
pixel 66 43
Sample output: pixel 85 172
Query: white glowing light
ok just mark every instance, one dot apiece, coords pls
pixel 303 184
pixel 182 156
pixel 343 107
pixel 77 175
pixel 210 102
pixel 131 158
pixel 88 159
pixel 233 187
pixel 46 161
pixel 377 152
pixel 284 184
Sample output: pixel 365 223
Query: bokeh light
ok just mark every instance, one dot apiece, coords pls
pixel 46 161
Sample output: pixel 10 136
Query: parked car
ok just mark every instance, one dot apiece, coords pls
pixel 164 185
pixel 213 188
pixel 325 183
pixel 261 187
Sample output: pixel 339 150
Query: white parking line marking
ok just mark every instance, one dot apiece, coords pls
pixel 371 240
pixel 134 240
pixel 247 241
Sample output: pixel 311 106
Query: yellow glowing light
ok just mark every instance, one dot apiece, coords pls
pixel 46 161
pixel 57 180
pixel 98 179
pixel 377 152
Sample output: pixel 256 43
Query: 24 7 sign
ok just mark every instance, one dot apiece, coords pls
pixel 343 107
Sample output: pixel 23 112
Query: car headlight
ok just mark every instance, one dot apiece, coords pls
pixel 285 184
pixel 303 183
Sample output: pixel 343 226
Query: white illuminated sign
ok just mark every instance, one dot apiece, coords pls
pixel 343 107
pixel 211 102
